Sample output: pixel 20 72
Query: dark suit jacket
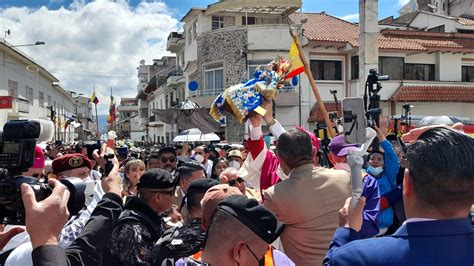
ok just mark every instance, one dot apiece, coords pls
pixel 438 242
pixel 88 248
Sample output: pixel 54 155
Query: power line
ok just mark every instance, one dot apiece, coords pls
pixel 83 73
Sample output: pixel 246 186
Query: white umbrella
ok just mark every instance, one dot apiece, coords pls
pixel 195 134
pixel 438 120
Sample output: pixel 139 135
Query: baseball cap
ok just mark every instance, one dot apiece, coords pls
pixel 199 186
pixel 339 146
pixel 157 179
pixel 213 196
pixel 70 161
pixel 236 153
pixel 254 216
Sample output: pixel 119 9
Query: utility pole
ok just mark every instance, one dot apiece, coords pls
pixel 368 42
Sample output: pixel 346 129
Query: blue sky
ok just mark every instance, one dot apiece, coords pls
pixel 339 8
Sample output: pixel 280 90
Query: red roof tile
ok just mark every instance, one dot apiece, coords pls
pixel 316 116
pixel 466 21
pixel 324 28
pixel 434 93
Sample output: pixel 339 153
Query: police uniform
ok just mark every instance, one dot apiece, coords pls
pixel 139 226
pixel 186 240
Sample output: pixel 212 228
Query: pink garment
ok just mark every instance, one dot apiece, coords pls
pixel 268 176
pixel 39 158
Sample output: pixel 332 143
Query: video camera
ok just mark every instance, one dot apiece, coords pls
pixel 17 153
pixel 372 108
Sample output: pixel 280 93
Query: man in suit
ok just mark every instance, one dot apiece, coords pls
pixel 438 190
pixel 308 201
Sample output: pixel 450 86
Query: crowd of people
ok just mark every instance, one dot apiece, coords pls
pixel 208 205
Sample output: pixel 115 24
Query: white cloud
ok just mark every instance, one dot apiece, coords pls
pixel 91 44
pixel 403 2
pixel 351 17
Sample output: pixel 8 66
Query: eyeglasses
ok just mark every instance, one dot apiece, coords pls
pixel 260 261
pixel 234 181
pixel 171 159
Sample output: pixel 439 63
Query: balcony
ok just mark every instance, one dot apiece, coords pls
pixel 127 108
pixel 205 97
pixel 23 105
pixel 175 42
pixel 175 78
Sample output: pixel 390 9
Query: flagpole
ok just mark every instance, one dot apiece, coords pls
pixel 96 121
pixel 319 100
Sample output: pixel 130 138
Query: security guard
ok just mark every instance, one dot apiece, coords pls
pixel 141 224
pixel 186 240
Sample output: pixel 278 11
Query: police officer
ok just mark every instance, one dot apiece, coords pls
pixel 186 240
pixel 140 225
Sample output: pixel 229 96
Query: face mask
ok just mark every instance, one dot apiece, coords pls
pixel 234 164
pixel 281 174
pixel 199 158
pixel 375 171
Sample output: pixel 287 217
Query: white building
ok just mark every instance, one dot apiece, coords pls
pixel 87 129
pixel 156 94
pixel 34 91
pixel 431 70
pixel 225 42
pixel 128 123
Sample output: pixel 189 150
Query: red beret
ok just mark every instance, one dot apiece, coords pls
pixel 70 161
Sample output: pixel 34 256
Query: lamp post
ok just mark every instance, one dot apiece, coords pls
pixel 31 44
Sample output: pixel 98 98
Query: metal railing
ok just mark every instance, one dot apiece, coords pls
pixel 207 92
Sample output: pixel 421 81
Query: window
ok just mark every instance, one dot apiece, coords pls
pixel 419 72
pixel 13 88
pixel 40 99
pixel 214 80
pixel 355 67
pixel 219 22
pixel 166 101
pixel 468 73
pixel 29 94
pixel 189 35
pixel 438 29
pixel 195 30
pixel 171 98
pixel 259 21
pixel 49 100
pixel 392 66
pixel 326 69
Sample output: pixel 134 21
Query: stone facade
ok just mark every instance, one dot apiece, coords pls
pixel 224 47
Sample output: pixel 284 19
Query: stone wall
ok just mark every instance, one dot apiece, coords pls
pixel 224 46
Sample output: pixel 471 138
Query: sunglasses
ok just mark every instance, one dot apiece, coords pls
pixel 171 159
pixel 234 181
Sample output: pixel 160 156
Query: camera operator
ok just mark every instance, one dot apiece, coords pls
pixel 88 248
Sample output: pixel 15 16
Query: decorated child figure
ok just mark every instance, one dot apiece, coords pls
pixel 241 99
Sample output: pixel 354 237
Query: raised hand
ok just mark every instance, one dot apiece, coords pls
pixel 45 219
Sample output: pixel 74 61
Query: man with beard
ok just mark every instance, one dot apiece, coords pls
pixel 167 159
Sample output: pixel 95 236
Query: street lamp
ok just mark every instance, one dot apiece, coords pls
pixel 31 44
